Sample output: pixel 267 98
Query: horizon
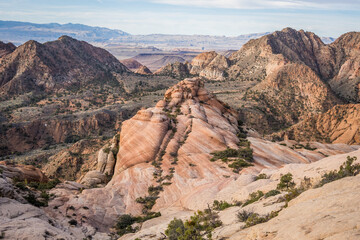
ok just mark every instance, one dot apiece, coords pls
pixel 229 18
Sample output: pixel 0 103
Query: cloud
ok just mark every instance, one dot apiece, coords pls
pixel 265 4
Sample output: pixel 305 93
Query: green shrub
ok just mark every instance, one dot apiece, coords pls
pixel 255 218
pixel 261 176
pixel 272 193
pixel 175 229
pixel 347 169
pixel 123 225
pixel 236 159
pixel 21 185
pixel 292 193
pixel 201 224
pixel 243 215
pixel 253 197
pixel 221 205
pixel 33 201
pixel 286 182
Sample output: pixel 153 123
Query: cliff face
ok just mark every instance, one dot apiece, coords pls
pixel 56 65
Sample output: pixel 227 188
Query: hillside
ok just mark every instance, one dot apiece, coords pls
pixel 61 64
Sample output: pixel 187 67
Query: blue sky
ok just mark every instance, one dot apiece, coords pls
pixel 212 17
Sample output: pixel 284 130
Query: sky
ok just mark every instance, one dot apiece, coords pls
pixel 206 17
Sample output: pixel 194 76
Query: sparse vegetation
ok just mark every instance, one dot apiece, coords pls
pixel 261 176
pixel 199 226
pixel 236 159
pixel 243 215
pixel 221 205
pixel 253 197
pixel 347 169
pixel 271 193
pixel 255 218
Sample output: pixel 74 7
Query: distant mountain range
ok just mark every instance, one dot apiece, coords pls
pixel 20 32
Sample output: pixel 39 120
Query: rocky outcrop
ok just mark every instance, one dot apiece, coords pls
pixel 22 172
pixel 6 48
pixel 60 64
pixel 210 65
pixel 177 70
pixel 106 159
pixel 338 125
pixel 169 146
pixel 143 70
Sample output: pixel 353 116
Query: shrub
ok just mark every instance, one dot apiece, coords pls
pixel 175 229
pixel 198 226
pixel 346 169
pixel 253 197
pixel 221 205
pixel 272 193
pixel 255 218
pixel 286 182
pixel 261 176
pixel 237 159
pixel 33 201
pixel 123 225
pixel 293 193
pixel 243 215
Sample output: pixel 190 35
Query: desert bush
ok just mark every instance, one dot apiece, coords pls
pixel 123 225
pixel 255 218
pixel 253 197
pixel 286 182
pixel 221 205
pixel 272 193
pixel 175 229
pixel 347 169
pixel 243 215
pixel 199 226
pixel 261 176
